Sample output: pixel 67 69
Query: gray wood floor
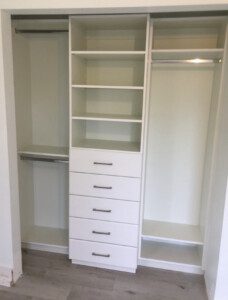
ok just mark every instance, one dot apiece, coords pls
pixel 52 276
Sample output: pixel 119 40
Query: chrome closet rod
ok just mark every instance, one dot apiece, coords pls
pixel 186 61
pixel 44 159
pixel 41 30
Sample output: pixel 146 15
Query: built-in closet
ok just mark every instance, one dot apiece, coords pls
pixel 132 103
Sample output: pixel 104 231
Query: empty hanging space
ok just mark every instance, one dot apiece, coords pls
pixel 40 50
pixel 184 90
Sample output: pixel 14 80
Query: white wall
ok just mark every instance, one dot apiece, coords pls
pixel 10 251
pixel 178 122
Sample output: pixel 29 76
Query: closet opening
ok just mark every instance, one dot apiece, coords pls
pixel 40 54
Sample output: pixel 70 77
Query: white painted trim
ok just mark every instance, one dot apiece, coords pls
pixel 45 247
pixel 103 266
pixel 172 266
pixel 6 278
pixel 104 6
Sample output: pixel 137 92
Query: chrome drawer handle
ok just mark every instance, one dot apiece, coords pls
pixel 102 255
pixel 102 163
pixel 102 187
pixel 102 210
pixel 101 232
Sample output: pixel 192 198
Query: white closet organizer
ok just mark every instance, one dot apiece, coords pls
pixel 141 132
pixel 40 50
pixel 186 56
pixel 108 67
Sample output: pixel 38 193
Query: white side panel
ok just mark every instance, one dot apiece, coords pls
pixel 10 251
pixel 179 111
pixel 221 291
pixel 216 241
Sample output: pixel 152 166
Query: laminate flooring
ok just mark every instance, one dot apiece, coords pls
pixel 52 276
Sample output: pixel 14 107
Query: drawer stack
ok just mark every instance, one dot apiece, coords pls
pixel 104 208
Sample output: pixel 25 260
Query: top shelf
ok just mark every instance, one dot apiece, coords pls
pixel 187 54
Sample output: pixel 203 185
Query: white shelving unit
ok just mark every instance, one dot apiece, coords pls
pixel 108 58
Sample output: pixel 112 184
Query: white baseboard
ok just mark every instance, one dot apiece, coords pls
pixel 45 247
pixel 6 276
pixel 103 266
pixel 172 266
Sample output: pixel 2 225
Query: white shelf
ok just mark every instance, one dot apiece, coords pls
pixel 107 145
pixel 171 257
pixel 108 118
pixel 102 55
pixel 45 152
pixel 171 232
pixel 177 54
pixel 113 87
pixel 46 239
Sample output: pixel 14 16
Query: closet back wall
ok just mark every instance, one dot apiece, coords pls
pixel 180 102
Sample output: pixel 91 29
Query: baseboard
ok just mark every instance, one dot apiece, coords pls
pixel 171 266
pixel 45 247
pixel 103 266
pixel 6 276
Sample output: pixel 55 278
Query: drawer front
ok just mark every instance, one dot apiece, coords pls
pixel 104 209
pixel 105 162
pixel 103 231
pixel 119 256
pixel 105 186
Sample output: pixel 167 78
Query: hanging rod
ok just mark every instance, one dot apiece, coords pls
pixel 40 30
pixel 44 159
pixel 194 61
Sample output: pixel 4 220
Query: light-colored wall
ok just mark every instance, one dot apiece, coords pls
pixel 10 250
pixel 178 122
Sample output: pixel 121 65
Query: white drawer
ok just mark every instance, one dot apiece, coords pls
pixel 104 186
pixel 103 231
pixel 105 254
pixel 105 162
pixel 104 209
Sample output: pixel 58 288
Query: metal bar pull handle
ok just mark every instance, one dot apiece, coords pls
pixel 101 232
pixel 102 255
pixel 102 163
pixel 102 210
pixel 102 187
